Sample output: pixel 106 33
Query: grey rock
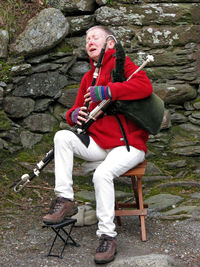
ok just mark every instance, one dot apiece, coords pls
pixel 178 118
pixel 4 39
pixel 41 85
pixel 64 126
pixel 125 35
pixel 194 120
pixel 42 104
pixel 40 123
pixel 45 67
pixel 175 93
pixel 151 260
pixel 156 37
pixel 66 59
pixel 65 67
pixel 90 195
pixel 155 178
pixel 152 169
pixel 19 79
pixel 189 127
pixel 70 7
pixel 3 84
pixel 38 59
pixel 188 106
pixel 181 184
pixel 21 69
pixel 191 151
pixel 176 164
pixel 142 14
pixel 78 70
pixel 18 107
pixel 89 167
pixel 79 24
pixel 12 136
pixel 1 95
pixel 195 196
pixel 182 210
pixel 43 32
pixel 29 139
pixel 3 144
pixel 196 115
pixel 162 202
pixel 68 97
pixel 101 2
pixel 197 105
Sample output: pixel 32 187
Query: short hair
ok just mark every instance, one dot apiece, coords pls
pixel 103 28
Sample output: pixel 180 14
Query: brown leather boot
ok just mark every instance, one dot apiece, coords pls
pixel 106 250
pixel 60 209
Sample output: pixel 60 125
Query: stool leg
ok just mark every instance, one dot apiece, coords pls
pixel 135 189
pixel 65 240
pixel 141 206
pixel 54 240
pixel 69 236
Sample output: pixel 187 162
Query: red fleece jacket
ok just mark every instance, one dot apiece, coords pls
pixel 106 131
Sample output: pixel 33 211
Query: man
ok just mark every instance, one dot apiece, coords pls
pixel 106 142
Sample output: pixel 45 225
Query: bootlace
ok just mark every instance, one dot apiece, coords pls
pixel 56 205
pixel 104 243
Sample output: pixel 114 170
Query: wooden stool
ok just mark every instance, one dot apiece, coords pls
pixel 136 178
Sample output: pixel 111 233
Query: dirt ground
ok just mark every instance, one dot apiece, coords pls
pixel 25 243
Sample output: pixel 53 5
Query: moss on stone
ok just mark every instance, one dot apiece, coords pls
pixel 177 132
pixel 196 100
pixel 64 47
pixel 5 122
pixel 5 71
pixel 71 86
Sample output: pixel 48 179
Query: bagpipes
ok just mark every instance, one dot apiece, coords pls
pixel 151 103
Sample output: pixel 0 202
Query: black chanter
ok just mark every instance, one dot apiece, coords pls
pixel 92 116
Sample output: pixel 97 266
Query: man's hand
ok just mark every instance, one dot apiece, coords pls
pixel 79 115
pixel 88 97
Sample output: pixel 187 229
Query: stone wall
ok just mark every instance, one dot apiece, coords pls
pixel 47 61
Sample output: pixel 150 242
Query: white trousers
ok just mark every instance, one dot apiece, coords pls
pixel 113 163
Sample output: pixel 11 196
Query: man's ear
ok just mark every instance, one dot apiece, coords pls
pixel 110 44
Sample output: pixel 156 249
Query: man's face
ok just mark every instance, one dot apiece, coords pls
pixel 95 40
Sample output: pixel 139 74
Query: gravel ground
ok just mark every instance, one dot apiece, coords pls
pixel 25 243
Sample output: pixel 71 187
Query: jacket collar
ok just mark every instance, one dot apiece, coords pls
pixel 107 56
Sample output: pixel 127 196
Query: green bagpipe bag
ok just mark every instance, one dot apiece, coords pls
pixel 147 112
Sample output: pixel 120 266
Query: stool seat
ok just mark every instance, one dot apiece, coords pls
pixel 58 228
pixel 125 209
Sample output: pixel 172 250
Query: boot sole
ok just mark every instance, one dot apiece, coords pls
pixel 70 214
pixel 105 261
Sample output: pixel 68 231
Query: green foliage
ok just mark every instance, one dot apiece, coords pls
pixel 109 2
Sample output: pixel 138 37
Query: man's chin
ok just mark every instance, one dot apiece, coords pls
pixel 95 58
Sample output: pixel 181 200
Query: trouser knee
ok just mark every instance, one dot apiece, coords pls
pixel 100 177
pixel 63 136
pixel 59 136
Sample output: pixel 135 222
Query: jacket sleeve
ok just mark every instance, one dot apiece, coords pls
pixel 138 87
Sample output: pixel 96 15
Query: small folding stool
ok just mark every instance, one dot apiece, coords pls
pixel 58 228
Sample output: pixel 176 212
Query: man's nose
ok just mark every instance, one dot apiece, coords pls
pixel 90 41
